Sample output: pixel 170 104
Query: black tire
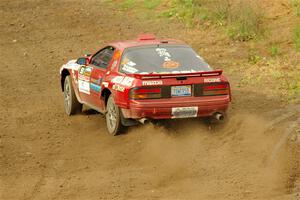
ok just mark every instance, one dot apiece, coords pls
pixel 72 106
pixel 113 117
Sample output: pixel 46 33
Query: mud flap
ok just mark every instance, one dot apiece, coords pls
pixel 127 122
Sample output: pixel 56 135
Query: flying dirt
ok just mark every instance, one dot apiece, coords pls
pixel 45 154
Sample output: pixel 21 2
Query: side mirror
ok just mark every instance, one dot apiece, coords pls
pixel 81 61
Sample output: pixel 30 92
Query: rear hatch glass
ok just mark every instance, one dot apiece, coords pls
pixel 162 59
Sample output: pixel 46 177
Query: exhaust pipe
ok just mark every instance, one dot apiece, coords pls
pixel 143 120
pixel 219 116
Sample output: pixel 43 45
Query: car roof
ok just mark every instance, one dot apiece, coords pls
pixel 144 39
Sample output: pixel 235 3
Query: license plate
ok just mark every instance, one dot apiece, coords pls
pixel 184 112
pixel 181 91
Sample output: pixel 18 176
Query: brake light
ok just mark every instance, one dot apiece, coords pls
pixel 216 89
pixel 145 93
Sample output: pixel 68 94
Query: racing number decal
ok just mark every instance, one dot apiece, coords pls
pixel 84 74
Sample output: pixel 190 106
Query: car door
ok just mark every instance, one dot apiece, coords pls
pixel 99 64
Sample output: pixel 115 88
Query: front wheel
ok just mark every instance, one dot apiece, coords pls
pixel 113 117
pixel 72 105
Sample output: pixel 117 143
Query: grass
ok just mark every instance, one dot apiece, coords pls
pixel 296 7
pixel 253 56
pixel 131 4
pixel 274 50
pixel 152 4
pixel 294 89
pixel 242 20
pixel 128 4
pixel 279 77
pixel 297 37
pixel 184 11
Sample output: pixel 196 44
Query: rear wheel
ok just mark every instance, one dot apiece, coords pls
pixel 72 105
pixel 113 117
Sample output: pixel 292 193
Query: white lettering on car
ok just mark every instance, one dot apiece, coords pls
pixel 117 79
pixel 152 82
pixel 125 81
pixel 118 88
pixel 129 69
pixel 212 80
pixel 84 86
pixel 162 52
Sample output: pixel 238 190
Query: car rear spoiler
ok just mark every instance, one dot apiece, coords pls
pixel 175 75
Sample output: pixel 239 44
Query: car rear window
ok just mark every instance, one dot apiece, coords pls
pixel 162 59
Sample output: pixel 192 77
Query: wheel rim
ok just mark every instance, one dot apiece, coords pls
pixel 67 96
pixel 111 116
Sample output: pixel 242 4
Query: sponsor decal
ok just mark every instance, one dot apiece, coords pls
pixel 212 80
pixel 83 78
pixel 81 71
pixel 84 86
pixel 88 71
pixel 118 88
pixel 105 84
pixel 96 81
pixel 129 69
pixel 128 66
pixel 127 81
pixel 85 70
pixel 171 64
pixel 124 81
pixel 117 79
pixel 184 112
pixel 162 52
pixel 114 64
pixel 96 88
pixel 152 82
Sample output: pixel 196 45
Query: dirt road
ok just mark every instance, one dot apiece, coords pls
pixel 46 155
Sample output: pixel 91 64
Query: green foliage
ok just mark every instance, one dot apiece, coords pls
pixel 253 56
pixel 183 10
pixel 193 12
pixel 127 4
pixel 151 4
pixel 274 50
pixel 296 6
pixel 244 22
pixel 292 84
pixel 297 37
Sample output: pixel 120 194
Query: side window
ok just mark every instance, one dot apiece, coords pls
pixel 103 57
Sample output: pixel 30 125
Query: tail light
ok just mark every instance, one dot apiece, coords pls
pixel 216 89
pixel 145 93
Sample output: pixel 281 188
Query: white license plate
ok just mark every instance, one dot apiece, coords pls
pixel 181 91
pixel 184 112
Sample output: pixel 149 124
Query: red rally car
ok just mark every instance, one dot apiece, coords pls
pixel 143 79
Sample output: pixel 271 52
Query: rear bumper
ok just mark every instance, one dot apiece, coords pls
pixel 162 108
